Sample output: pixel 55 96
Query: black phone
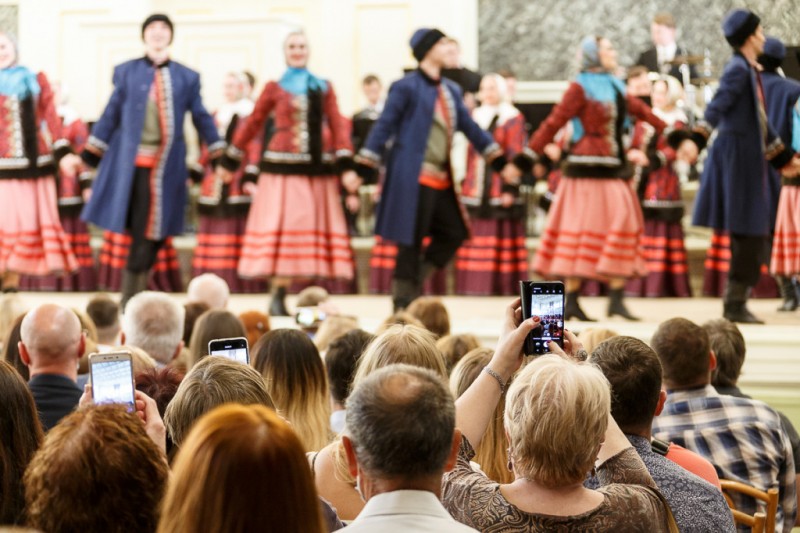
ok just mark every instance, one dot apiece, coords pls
pixel 544 299
pixel 111 375
pixel 235 348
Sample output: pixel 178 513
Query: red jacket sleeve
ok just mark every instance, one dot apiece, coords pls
pixel 570 106
pixel 253 126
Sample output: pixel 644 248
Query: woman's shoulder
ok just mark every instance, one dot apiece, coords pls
pixel 630 504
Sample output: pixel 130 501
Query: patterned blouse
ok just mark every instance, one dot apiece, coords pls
pixel 631 502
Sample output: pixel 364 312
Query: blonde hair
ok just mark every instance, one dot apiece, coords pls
pixel 400 318
pixel 591 337
pixel 297 382
pixel 142 362
pixel 208 492
pixel 410 345
pixel 491 454
pixel 90 339
pixel 11 308
pixel 331 329
pixel 210 383
pixel 556 418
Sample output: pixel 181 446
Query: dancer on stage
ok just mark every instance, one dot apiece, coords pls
pixel 422 113
pixel 296 227
pixel 662 203
pixel 32 240
pixel 494 258
pixel 139 145
pixel 223 207
pixel 594 228
pixel 783 109
pixel 736 193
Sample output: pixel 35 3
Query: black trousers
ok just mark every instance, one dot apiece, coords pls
pixel 438 216
pixel 748 253
pixel 143 251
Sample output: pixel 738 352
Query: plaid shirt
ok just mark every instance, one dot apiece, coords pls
pixel 742 438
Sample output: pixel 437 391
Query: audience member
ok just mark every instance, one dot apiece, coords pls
pixel 591 337
pixel 209 289
pixel 11 349
pixel 192 310
pixel 20 437
pixel 104 312
pixel 153 321
pixel 400 439
pixel 11 308
pixel 432 313
pixel 398 344
pixel 98 470
pixel 51 345
pixel 331 329
pixel 295 377
pixel 90 336
pixel 256 324
pixel 399 318
pixel 312 296
pixel 491 456
pixel 727 343
pixel 141 360
pixel 210 383
pixel 341 360
pixel 241 469
pixel 160 384
pixel 558 423
pixel 454 347
pixel 213 324
pixel 634 372
pixel 742 438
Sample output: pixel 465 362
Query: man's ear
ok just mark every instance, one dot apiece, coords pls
pixel 662 397
pixel 454 447
pixel 122 338
pixel 352 461
pixel 82 345
pixel 712 361
pixel 23 354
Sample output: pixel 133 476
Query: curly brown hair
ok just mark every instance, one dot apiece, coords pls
pixel 97 470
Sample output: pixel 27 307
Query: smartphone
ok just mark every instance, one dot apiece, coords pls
pixel 235 348
pixel 544 299
pixel 111 375
pixel 309 316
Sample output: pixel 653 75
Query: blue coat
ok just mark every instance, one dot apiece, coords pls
pixel 736 192
pixel 115 136
pixel 781 95
pixel 406 119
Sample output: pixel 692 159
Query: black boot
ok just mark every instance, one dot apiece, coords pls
pixel 573 310
pixel 132 284
pixel 616 306
pixel 735 304
pixel 277 304
pixel 789 293
pixel 404 291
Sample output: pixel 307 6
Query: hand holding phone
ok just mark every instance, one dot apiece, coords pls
pixel 235 348
pixel 544 299
pixel 111 375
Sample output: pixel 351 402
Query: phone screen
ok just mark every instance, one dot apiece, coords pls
pixel 112 382
pixel 545 300
pixel 235 349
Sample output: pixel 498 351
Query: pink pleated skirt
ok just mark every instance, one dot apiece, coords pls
pixel 594 231
pixel 296 228
pixel 32 240
pixel 786 243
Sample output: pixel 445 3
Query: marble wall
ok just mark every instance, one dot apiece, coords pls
pixel 538 39
pixel 8 19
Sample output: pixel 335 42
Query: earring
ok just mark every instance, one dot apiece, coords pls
pixel 509 463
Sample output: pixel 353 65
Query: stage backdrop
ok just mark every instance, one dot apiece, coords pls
pixel 538 39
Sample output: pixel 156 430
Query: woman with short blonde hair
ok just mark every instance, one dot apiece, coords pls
pixel 207 491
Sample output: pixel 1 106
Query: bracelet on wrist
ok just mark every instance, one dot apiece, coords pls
pixel 496 376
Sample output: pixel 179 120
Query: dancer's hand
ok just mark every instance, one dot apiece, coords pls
pixel 224 174
pixel 552 151
pixel 507 199
pixel 791 169
pixel 249 188
pixel 70 165
pixel 638 158
pixel 350 181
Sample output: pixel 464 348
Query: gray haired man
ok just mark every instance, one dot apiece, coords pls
pixel 400 439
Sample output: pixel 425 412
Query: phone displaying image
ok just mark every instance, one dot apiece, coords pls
pixel 235 348
pixel 544 299
pixel 111 375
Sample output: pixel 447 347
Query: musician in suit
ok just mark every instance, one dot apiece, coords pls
pixel 665 49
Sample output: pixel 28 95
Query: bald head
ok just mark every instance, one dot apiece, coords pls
pixel 51 334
